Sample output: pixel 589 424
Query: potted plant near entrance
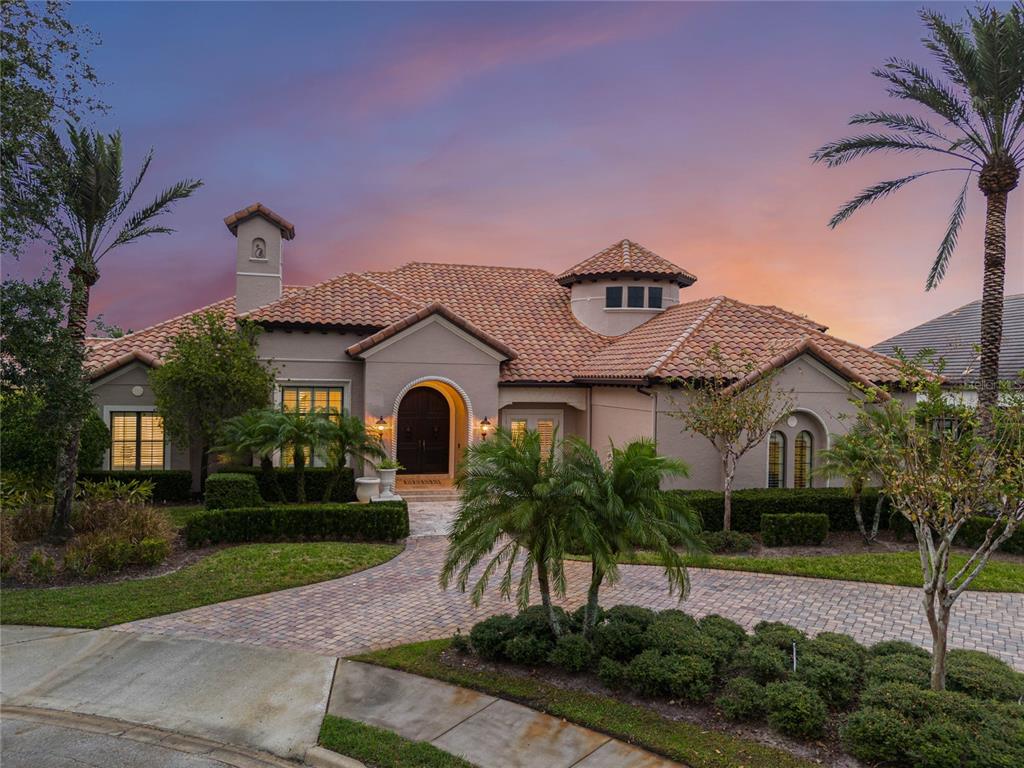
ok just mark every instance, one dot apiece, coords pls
pixel 387 469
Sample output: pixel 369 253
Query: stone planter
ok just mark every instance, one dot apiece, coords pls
pixel 366 488
pixel 387 482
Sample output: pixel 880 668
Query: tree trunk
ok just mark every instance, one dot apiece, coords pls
pixel 204 466
pixel 728 472
pixel 590 614
pixel 878 516
pixel 992 307
pixel 67 458
pixel 545 597
pixel 938 621
pixel 859 516
pixel 300 475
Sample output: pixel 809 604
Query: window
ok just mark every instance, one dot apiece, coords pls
pixel 305 400
pixel 136 440
pixel 654 297
pixel 518 428
pixel 546 429
pixel 544 423
pixel 613 296
pixel 635 296
pixel 777 460
pixel 803 448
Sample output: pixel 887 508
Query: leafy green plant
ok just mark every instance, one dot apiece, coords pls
pixel 741 699
pixel 795 710
pixel 228 490
pixel 796 529
pixel 40 566
pixel 389 464
pixel 573 653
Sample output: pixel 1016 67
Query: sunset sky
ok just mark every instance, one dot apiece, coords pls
pixel 533 135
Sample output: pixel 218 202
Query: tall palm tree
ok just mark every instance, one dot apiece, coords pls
pixel 349 439
pixel 851 457
pixel 623 508
pixel 93 200
pixel 513 503
pixel 981 107
pixel 301 433
pixel 253 433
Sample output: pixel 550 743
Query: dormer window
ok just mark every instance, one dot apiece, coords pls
pixel 654 297
pixel 613 297
pixel 635 296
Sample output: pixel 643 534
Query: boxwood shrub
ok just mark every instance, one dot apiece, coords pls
pixel 231 490
pixel 749 504
pixel 795 529
pixel 795 710
pixel 972 534
pixel 316 482
pixel 385 521
pixel 168 484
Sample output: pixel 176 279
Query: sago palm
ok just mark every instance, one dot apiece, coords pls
pixel 349 439
pixel 93 200
pixel 980 107
pixel 302 434
pixel 254 433
pixel 851 458
pixel 513 509
pixel 622 507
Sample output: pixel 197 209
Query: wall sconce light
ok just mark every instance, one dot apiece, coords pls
pixel 381 425
pixel 485 427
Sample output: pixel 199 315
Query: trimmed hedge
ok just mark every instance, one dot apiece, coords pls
pixel 972 534
pixel 384 521
pixel 168 484
pixel 749 504
pixel 786 530
pixel 232 490
pixel 317 479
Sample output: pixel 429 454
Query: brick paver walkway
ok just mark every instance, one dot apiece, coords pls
pixel 400 602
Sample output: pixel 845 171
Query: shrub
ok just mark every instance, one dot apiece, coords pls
pixel 231 490
pixel 741 699
pixel 676 676
pixel 573 653
pixel 111 550
pixel 676 634
pixel 317 481
pixel 726 634
pixel 612 673
pixel 8 550
pixel 168 484
pixel 983 676
pixel 488 637
pixel 875 735
pixel 533 622
pixel 899 668
pixel 631 614
pixel 384 521
pixel 40 566
pixel 31 445
pixel 762 662
pixel 938 743
pixel 30 522
pixel 972 534
pixel 619 640
pixel 795 710
pixel 834 681
pixel 841 648
pixel 577 616
pixel 778 635
pixel 793 530
pixel 749 504
pixel 727 542
pixel 527 649
pixel 460 643
pixel 897 648
pixel 153 551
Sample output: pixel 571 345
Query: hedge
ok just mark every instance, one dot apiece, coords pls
pixel 787 530
pixel 316 479
pixel 383 521
pixel 168 484
pixel 750 503
pixel 231 490
pixel 972 534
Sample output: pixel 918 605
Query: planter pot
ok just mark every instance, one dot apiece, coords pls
pixel 387 482
pixel 366 488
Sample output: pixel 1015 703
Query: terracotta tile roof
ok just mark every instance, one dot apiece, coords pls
pixel 679 343
pixel 785 314
pixel 626 258
pixel 259 209
pixel 433 308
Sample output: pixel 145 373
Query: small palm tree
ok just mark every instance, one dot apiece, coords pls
pixel 981 109
pixel 622 507
pixel 254 433
pixel 349 439
pixel 513 502
pixel 93 200
pixel 851 458
pixel 301 433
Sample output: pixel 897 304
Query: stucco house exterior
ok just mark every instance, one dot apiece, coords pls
pixel 436 355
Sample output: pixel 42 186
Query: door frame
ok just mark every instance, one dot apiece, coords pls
pixel 450 390
pixel 435 398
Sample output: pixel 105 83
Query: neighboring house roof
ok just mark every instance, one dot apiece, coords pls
pixel 259 209
pixel 626 259
pixel 955 336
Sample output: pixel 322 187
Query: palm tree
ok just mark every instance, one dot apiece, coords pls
pixel 93 200
pixel 349 438
pixel 300 433
pixel 623 508
pixel 981 107
pixel 851 457
pixel 254 433
pixel 513 499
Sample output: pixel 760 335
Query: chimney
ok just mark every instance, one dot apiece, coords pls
pixel 259 261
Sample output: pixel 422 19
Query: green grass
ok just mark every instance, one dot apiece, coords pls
pixel 383 749
pixel 180 515
pixel 899 568
pixel 681 741
pixel 250 569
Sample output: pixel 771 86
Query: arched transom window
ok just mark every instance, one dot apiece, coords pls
pixel 803 452
pixel 777 460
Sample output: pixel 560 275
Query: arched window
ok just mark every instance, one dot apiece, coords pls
pixel 777 460
pixel 803 452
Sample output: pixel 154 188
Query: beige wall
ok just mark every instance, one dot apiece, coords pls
pixel 258 282
pixel 588 305
pixel 619 414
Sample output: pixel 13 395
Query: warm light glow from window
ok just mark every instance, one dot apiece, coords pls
pixel 518 428
pixel 803 448
pixel 305 400
pixel 546 429
pixel 136 440
pixel 777 460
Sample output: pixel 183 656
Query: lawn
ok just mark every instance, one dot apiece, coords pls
pixel 250 569
pixel 688 743
pixel 180 515
pixel 383 749
pixel 899 568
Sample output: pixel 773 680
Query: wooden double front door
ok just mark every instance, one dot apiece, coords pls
pixel 424 430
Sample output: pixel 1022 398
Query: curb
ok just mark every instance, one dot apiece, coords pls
pixel 319 757
pixel 237 757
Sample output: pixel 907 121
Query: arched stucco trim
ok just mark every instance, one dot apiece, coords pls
pixel 824 431
pixel 428 380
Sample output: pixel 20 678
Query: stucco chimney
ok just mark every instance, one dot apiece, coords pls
pixel 259 261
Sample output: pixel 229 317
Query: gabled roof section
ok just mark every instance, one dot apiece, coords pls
pixel 432 309
pixel 626 259
pixel 259 209
pixel 955 337
pixel 681 342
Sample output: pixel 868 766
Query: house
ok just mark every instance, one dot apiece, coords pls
pixel 954 338
pixel 436 355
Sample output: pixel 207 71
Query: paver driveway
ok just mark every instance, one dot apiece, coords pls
pixel 400 602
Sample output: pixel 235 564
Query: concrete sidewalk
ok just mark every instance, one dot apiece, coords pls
pixel 486 731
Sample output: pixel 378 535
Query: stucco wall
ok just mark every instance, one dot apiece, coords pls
pixel 619 414
pixel 587 302
pixel 258 282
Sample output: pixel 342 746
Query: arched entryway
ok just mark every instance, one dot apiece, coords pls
pixel 423 442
